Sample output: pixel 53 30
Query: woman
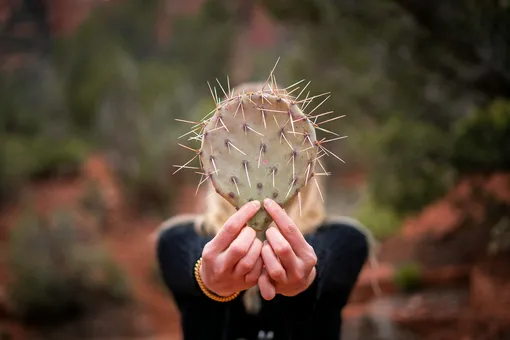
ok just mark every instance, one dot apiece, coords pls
pixel 305 270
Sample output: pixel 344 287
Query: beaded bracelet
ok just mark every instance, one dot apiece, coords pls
pixel 206 291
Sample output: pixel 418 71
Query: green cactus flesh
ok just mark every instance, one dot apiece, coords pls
pixel 258 145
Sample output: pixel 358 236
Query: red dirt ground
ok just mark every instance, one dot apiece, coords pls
pixel 129 239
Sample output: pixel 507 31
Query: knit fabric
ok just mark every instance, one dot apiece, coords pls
pixel 341 250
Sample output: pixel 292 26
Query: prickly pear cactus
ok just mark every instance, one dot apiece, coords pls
pixel 259 143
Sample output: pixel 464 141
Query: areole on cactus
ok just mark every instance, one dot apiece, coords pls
pixel 259 143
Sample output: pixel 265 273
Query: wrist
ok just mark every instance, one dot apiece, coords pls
pixel 209 293
pixel 205 281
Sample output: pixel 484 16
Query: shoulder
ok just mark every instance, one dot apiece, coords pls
pixel 176 227
pixel 184 220
pixel 350 229
pixel 344 222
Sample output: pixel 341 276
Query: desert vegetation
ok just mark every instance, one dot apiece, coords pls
pixel 89 98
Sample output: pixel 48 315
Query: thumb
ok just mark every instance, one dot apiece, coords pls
pixel 267 289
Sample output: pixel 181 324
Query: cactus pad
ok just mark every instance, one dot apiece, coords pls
pixel 258 143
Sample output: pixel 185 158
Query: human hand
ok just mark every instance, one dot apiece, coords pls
pixel 231 261
pixel 288 259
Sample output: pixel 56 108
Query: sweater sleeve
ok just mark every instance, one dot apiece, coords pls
pixel 178 249
pixel 342 250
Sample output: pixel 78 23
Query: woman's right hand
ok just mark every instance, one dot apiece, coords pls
pixel 231 261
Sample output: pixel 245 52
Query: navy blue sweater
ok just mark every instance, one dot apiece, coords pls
pixel 314 314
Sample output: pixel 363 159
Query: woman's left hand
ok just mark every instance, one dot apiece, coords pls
pixel 288 259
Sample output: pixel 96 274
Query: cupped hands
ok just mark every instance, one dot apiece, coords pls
pixel 235 260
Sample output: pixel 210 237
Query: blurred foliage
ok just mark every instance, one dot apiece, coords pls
pixel 31 101
pixel 408 277
pixel 36 135
pixel 404 72
pixel 24 158
pixel 116 85
pixel 130 88
pixel 381 221
pixel 398 112
pixel 409 165
pixel 447 38
pixel 44 157
pixel 482 140
pixel 116 49
pixel 94 202
pixel 59 270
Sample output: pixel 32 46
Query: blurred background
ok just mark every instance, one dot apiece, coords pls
pixel 89 93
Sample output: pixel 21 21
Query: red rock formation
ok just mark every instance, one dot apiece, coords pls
pixel 490 288
pixel 443 217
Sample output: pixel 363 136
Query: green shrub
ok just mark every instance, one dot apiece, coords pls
pixel 381 221
pixel 408 277
pixel 15 166
pixel 59 270
pixel 94 203
pixel 482 139
pixel 120 91
pixel 410 165
pixel 25 158
pixel 57 157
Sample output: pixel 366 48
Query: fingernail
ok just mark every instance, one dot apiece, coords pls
pixel 268 202
pixel 255 204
